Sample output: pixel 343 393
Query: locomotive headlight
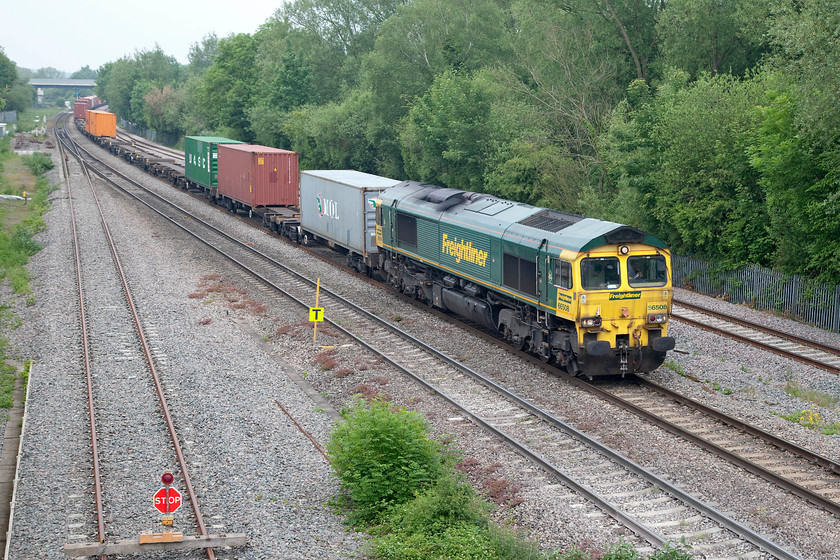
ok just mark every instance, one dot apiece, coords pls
pixel 589 322
pixel 623 250
pixel 657 318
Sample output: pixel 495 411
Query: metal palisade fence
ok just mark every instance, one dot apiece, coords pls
pixel 804 299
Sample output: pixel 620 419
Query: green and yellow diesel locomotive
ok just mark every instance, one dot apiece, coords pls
pixel 590 295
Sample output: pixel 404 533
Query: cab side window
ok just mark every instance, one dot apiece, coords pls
pixel 563 275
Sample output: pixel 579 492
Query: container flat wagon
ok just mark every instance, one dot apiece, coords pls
pixel 252 176
pixel 337 208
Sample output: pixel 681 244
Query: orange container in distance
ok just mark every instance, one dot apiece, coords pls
pixel 79 108
pixel 101 123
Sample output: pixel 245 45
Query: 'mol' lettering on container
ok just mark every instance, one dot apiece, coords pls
pixel 463 251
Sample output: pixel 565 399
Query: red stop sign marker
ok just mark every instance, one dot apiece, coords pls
pixel 161 500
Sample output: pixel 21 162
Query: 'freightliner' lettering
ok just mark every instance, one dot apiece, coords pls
pixel 463 251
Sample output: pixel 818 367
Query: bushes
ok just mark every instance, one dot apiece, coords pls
pixel 38 163
pixel 383 457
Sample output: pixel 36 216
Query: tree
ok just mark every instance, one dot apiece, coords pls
pixel 807 128
pixel 563 70
pixel 690 168
pixel 48 72
pixel 84 73
pixel 627 30
pixel 227 88
pixel 8 76
pixel 164 109
pixel 349 25
pixel 445 135
pixel 335 135
pixel 201 54
pixel 424 39
pixel 713 36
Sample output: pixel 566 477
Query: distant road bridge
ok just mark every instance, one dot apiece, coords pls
pixel 61 82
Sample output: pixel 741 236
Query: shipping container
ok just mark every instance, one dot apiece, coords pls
pixel 336 206
pixel 251 176
pixel 101 123
pixel 79 108
pixel 201 158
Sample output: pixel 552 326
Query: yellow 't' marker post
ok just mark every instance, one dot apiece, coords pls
pixel 316 314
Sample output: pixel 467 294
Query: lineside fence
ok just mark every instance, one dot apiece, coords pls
pixel 804 299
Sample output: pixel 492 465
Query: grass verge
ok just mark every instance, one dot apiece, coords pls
pixel 19 221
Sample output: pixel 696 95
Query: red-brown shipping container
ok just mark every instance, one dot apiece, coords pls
pixel 79 108
pixel 258 175
pixel 101 123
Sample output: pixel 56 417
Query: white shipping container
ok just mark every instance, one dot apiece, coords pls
pixel 336 206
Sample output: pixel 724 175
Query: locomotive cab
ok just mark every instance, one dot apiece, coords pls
pixel 624 302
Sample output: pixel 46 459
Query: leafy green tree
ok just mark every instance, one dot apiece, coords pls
pixel 712 36
pixel 567 75
pixel 124 83
pixel 20 96
pixel 48 72
pixel 424 39
pixel 445 136
pixel 285 83
pixel 227 88
pixel 84 73
pixel 8 76
pixel 201 54
pixel 626 31
pixel 350 25
pixel 164 109
pixel 691 170
pixel 798 147
pixel 805 35
pixel 335 135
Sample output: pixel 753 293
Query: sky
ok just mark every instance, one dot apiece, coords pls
pixel 71 34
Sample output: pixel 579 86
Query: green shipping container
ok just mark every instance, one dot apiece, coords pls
pixel 201 158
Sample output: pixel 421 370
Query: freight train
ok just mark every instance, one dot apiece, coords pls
pixel 591 296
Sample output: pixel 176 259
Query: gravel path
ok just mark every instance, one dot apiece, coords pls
pixel 229 350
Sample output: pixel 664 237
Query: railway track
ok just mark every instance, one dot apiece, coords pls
pixel 661 512
pixel 785 344
pixel 124 392
pixel 150 146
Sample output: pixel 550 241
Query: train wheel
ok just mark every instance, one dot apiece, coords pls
pixel 305 239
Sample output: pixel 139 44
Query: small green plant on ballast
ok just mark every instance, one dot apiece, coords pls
pixel 383 457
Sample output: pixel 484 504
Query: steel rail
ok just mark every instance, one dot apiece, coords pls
pixel 97 474
pixel 732 525
pixel 745 323
pixel 155 377
pixel 774 440
pixel 779 480
pixel 763 345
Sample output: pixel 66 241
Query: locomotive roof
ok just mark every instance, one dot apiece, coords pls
pixel 519 222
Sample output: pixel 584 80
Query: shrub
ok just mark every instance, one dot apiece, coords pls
pixel 449 502
pixel 383 457
pixel 38 163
